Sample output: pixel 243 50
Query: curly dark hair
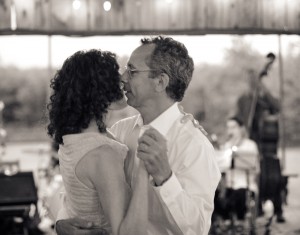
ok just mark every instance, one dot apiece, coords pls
pixel 87 83
pixel 171 57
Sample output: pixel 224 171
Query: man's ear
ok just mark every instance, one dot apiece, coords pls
pixel 161 82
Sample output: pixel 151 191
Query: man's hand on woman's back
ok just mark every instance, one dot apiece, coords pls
pixel 76 226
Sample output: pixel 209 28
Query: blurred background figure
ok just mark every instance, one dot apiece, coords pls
pixel 259 110
pixel 240 167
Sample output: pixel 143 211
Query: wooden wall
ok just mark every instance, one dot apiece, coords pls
pixel 151 16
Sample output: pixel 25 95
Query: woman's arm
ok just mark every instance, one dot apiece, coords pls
pixel 105 171
pixel 136 219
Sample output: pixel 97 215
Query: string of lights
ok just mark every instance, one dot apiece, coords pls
pixel 107 4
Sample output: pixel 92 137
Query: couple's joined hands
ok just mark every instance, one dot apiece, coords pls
pixel 152 149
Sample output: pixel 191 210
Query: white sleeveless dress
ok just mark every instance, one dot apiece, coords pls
pixel 81 200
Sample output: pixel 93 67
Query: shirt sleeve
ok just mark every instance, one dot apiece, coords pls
pixel 189 193
pixel 249 148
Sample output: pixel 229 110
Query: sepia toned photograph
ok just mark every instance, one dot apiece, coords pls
pixel 149 117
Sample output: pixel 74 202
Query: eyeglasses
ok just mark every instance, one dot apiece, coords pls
pixel 131 71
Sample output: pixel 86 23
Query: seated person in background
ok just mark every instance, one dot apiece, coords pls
pixel 240 170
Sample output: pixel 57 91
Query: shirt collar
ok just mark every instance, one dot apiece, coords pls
pixel 166 119
pixel 139 121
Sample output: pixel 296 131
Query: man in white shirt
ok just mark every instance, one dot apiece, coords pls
pixel 178 157
pixel 245 154
pixel 240 164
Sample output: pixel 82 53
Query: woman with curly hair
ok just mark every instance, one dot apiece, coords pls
pixel 85 90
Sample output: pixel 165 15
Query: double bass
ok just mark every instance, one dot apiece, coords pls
pixel 268 123
pixel 268 132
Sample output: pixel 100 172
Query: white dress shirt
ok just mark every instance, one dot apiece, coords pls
pixel 246 165
pixel 183 204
